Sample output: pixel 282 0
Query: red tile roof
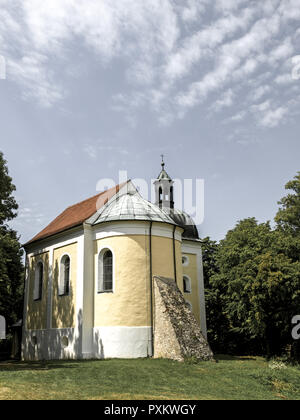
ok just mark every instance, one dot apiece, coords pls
pixel 76 214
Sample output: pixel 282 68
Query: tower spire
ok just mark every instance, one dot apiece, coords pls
pixel 164 188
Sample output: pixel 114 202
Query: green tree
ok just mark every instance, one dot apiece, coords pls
pixel 256 290
pixel 274 299
pixel 287 238
pixel 8 205
pixel 217 324
pixel 209 257
pixel 11 268
pixel 238 267
pixel 288 216
pixel 252 281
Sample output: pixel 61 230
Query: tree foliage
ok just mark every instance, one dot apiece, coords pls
pixel 253 282
pixel 8 205
pixel 11 268
pixel 288 216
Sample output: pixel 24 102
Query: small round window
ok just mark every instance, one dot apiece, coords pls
pixel 185 261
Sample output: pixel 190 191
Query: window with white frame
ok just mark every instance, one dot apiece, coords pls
pixel 64 276
pixel 38 281
pixel 187 284
pixel 105 271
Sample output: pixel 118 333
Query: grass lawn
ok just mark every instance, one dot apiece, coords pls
pixel 230 378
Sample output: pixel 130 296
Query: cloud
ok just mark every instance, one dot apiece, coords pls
pixel 203 43
pixel 176 55
pixel 192 10
pixel 35 32
pixel 234 62
pixel 91 151
pixel 259 92
pixel 273 117
pixel 226 100
pixel 98 148
pixel 296 67
pixel 238 117
pixel 228 5
pixel 268 115
pixel 37 82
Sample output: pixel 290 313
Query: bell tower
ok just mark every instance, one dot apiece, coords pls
pixel 164 189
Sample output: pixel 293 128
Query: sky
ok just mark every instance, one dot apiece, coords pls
pixel 90 88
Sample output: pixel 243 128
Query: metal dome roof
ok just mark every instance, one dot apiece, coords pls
pixel 185 221
pixel 131 206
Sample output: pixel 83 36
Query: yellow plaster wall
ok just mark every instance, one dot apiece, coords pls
pixel 128 305
pixel 64 307
pixel 191 271
pixel 37 310
pixel 162 257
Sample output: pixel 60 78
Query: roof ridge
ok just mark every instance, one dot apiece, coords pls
pixel 75 214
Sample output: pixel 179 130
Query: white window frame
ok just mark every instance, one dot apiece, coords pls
pixel 99 282
pixel 61 279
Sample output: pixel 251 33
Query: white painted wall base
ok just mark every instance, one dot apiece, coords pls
pixel 122 342
pixel 108 342
pixel 50 345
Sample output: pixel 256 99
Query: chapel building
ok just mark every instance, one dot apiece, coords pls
pixel 89 275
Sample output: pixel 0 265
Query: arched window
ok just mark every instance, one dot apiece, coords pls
pixel 187 287
pixel 160 194
pixel 105 271
pixel 172 197
pixel 38 281
pixel 64 278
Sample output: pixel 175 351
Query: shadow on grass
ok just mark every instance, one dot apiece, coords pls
pixel 228 357
pixel 15 366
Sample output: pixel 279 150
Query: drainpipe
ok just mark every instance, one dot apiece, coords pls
pixel 151 290
pixel 174 254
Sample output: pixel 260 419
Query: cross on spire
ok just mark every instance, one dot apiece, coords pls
pixel 162 160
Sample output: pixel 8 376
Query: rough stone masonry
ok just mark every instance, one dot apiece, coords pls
pixel 177 334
